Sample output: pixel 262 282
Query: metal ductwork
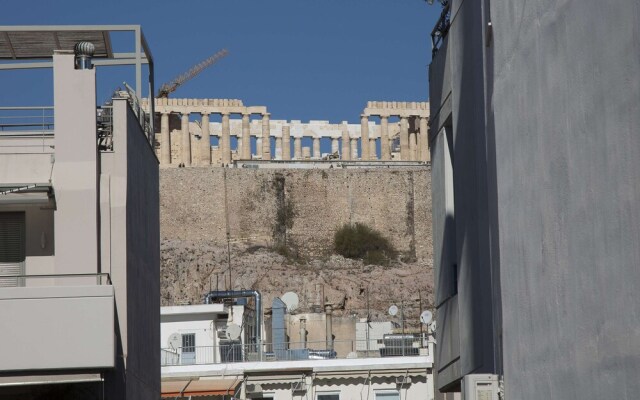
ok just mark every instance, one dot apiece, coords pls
pixel 210 297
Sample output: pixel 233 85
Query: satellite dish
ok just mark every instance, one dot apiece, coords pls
pixel 174 341
pixel 426 317
pixel 393 310
pixel 432 326
pixel 291 300
pixel 233 332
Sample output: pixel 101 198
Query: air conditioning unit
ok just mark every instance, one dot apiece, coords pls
pixel 297 387
pixel 480 387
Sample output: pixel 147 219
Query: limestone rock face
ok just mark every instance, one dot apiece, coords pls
pixel 189 269
pixel 265 213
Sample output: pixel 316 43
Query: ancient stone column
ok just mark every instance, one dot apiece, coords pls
pixel 205 141
pixel 297 148
pixel 423 143
pixel 266 137
pixel 286 142
pixel 225 142
pixel 246 137
pixel 413 146
pixel 354 149
pixel 335 146
pixel 165 140
pixel 278 152
pixel 404 139
pixel 316 147
pixel 186 140
pixel 364 137
pixel 372 150
pixel 346 145
pixel 385 149
pixel 259 146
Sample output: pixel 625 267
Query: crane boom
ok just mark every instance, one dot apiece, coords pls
pixel 171 86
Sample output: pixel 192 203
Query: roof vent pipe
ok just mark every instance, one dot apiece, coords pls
pixel 84 52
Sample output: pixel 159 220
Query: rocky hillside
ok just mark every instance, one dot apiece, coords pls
pixel 191 268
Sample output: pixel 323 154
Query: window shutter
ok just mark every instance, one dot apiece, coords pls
pixel 12 247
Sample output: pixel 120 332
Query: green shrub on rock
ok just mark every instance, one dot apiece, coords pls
pixel 358 241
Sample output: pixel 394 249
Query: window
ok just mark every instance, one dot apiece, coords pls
pixel 328 396
pixel 388 395
pixel 188 348
pixel 12 247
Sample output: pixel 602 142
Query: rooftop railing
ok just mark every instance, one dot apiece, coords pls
pixel 34 121
pixel 100 279
pixel 441 29
pixel 235 352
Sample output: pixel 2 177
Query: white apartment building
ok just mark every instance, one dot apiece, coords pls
pixel 79 225
pixel 210 352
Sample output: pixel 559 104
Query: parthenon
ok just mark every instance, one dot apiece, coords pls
pixel 183 142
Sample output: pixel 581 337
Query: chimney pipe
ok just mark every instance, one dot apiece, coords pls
pixel 83 53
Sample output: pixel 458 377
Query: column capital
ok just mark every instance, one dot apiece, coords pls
pixel 364 116
pixel 185 114
pixel 205 112
pixel 225 113
pixel 266 115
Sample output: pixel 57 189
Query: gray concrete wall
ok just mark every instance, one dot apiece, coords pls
pixel 544 116
pixel 75 172
pixel 464 226
pixel 567 110
pixel 129 199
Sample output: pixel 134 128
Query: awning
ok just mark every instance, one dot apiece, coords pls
pixel 199 387
pixel 33 193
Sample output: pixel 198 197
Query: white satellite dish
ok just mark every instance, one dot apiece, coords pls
pixel 174 341
pixel 291 300
pixel 432 326
pixel 233 332
pixel 393 310
pixel 426 317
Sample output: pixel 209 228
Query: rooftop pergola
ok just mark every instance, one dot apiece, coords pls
pixel 25 47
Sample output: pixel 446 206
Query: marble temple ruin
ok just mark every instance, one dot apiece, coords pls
pixel 181 141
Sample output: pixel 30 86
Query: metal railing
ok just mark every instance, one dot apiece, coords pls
pixel 235 352
pixel 441 29
pixel 102 278
pixel 35 121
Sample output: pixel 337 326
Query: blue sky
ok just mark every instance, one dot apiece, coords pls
pixel 303 59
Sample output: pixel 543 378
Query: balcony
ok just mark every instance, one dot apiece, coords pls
pixel 64 323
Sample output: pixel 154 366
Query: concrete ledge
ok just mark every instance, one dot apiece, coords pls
pixel 57 328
